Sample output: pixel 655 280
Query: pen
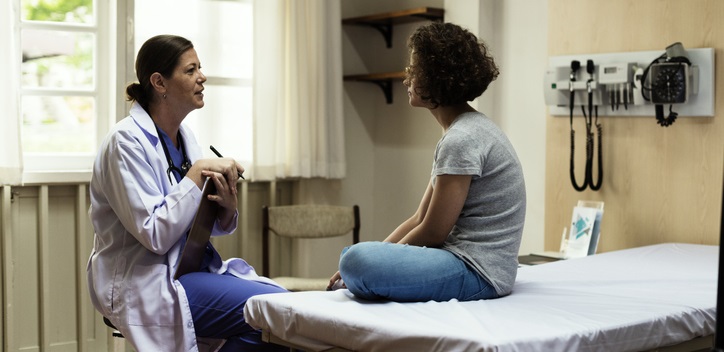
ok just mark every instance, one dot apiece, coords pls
pixel 221 156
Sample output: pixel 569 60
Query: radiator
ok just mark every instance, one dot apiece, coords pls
pixel 45 240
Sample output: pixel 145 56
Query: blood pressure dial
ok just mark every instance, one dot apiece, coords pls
pixel 668 85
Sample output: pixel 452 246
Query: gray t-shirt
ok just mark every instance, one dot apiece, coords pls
pixel 488 231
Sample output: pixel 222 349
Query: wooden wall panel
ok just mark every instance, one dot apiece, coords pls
pixel 5 198
pixel 25 286
pixel 60 283
pixel 660 184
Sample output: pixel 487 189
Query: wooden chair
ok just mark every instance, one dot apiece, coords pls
pixel 306 221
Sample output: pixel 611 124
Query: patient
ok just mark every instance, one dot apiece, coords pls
pixel 462 242
pixel 145 190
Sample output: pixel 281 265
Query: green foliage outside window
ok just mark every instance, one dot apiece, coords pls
pixel 78 11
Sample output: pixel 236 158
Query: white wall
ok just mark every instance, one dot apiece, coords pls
pixel 516 33
pixel 390 146
pixel 522 50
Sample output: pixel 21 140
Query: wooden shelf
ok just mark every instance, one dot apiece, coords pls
pixel 383 22
pixel 398 17
pixel 376 76
pixel 383 80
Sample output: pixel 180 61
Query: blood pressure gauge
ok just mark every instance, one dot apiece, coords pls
pixel 669 83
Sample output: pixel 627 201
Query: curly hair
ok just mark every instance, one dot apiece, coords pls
pixel 450 66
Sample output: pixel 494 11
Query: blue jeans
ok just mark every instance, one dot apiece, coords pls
pixel 217 308
pixel 404 273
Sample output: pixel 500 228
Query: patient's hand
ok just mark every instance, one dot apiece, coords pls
pixel 336 282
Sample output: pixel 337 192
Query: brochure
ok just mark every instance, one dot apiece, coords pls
pixel 581 237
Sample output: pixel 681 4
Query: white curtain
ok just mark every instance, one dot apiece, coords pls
pixel 11 156
pixel 298 118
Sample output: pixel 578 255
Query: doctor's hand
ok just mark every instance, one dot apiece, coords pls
pixel 225 196
pixel 228 167
pixel 336 282
pixel 225 191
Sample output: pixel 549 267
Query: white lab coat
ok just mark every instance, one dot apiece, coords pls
pixel 140 220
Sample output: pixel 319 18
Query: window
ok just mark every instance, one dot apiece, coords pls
pixel 221 31
pixel 65 82
pixel 76 62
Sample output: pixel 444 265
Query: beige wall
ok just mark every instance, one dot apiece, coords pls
pixel 661 184
pixel 401 139
pixel 389 146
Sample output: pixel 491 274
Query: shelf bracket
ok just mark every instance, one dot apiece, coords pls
pixel 382 80
pixel 386 86
pixel 386 30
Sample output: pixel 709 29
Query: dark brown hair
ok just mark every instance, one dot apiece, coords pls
pixel 450 66
pixel 158 54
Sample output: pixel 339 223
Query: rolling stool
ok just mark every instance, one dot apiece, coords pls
pixel 108 323
pixel 119 343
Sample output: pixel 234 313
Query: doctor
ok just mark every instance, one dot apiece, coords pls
pixel 145 189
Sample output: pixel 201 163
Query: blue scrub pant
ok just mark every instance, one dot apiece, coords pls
pixel 217 308
pixel 404 273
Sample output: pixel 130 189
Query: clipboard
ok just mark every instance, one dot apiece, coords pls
pixel 199 234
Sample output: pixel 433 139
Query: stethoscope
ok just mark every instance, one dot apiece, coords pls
pixel 185 166
pixel 589 119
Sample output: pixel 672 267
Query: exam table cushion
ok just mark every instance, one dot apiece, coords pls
pixel 633 299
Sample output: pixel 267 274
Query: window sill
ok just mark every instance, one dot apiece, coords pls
pixel 56 177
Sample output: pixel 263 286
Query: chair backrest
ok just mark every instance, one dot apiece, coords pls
pixel 307 221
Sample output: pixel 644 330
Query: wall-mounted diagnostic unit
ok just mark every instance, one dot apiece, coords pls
pixel 626 84
pixel 633 83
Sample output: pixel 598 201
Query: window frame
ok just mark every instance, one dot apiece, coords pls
pixel 114 31
pixel 45 168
